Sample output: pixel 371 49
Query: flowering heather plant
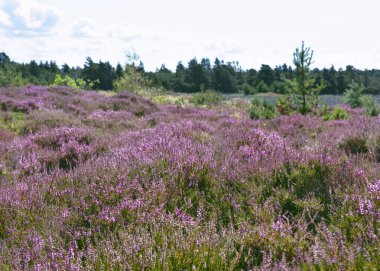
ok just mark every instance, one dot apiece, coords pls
pixel 91 182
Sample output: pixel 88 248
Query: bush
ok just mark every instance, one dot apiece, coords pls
pixel 279 87
pixel 262 87
pixel 337 114
pixel 355 145
pixel 370 106
pixel 207 97
pixel 248 89
pixel 353 94
pixel 69 82
pixel 134 81
pixel 261 109
pixel 44 119
pixel 284 105
pixel 11 121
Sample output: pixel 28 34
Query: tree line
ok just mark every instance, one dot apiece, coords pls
pixel 194 76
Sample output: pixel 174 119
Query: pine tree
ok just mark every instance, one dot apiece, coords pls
pixel 302 85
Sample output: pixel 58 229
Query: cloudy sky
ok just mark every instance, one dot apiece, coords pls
pixel 341 32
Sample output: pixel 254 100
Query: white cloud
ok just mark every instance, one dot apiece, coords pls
pixel 86 28
pixel 28 17
pixel 5 19
pixel 229 47
pixel 156 34
pixel 125 31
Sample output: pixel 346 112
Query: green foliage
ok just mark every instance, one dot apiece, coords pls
pixel 132 80
pixel 247 89
pixel 337 114
pixel 285 105
pixel 355 145
pixel 208 97
pixel 12 121
pixel 377 148
pixel 370 106
pixel 262 87
pixel 266 75
pixel 10 75
pixel 353 95
pixel 279 87
pixel 101 75
pixel 224 77
pixel 69 82
pixel 301 190
pixel 302 87
pixel 261 109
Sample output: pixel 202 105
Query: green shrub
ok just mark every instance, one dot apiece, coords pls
pixel 69 82
pixel 262 87
pixel 134 81
pixel 248 89
pixel 40 120
pixel 279 87
pixel 337 114
pixel 12 121
pixel 261 109
pixel 284 105
pixel 370 106
pixel 207 97
pixel 353 94
pixel 355 145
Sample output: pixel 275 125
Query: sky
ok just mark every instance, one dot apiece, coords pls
pixel 340 32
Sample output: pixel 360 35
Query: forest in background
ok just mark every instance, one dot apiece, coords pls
pixel 195 76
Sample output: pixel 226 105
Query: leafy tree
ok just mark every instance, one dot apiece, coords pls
pixel 4 58
pixel 266 75
pixel 10 75
pixel 105 76
pixel 366 80
pixel 119 71
pixel 65 69
pixel 341 84
pixel 329 77
pixel 197 75
pixel 350 73
pixel 101 74
pixel 179 81
pixel 251 75
pixel 34 69
pixel 306 96
pixel 224 77
pixel 140 68
pixel 163 77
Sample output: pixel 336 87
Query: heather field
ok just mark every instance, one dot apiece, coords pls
pixel 117 182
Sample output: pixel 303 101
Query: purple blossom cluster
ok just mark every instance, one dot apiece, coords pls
pixel 94 182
